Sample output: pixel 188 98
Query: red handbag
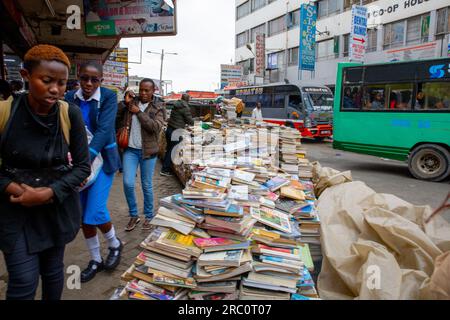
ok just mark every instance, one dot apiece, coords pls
pixel 123 134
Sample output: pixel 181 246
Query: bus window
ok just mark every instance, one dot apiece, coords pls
pixel 319 101
pixel 352 98
pixel 266 100
pixel 433 96
pixel 278 101
pixel 374 97
pixel 295 102
pixel 400 96
pixel 251 101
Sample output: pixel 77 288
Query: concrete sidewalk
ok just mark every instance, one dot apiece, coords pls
pixel 104 284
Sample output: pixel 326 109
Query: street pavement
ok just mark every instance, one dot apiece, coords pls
pixel 382 175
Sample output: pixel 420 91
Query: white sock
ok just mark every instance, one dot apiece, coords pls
pixel 113 242
pixel 93 245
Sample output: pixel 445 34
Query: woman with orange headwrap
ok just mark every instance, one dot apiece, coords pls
pixel 45 158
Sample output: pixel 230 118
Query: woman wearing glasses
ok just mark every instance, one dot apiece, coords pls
pixel 99 107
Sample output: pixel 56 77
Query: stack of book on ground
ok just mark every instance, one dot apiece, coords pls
pixel 290 145
pixel 241 228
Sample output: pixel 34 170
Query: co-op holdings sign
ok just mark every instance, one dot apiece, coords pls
pixel 376 12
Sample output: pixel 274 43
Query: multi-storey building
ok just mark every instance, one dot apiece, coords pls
pixel 397 30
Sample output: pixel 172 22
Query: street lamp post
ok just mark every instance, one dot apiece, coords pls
pixel 161 69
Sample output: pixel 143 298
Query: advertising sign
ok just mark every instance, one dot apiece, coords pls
pixel 141 18
pixel 358 34
pixel 260 62
pixel 448 48
pixel 272 61
pixel 115 70
pixel 229 73
pixel 307 49
pixel 417 52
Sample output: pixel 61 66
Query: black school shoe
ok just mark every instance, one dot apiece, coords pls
pixel 113 259
pixel 92 269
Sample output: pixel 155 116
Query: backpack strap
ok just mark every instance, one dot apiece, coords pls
pixel 65 120
pixel 5 113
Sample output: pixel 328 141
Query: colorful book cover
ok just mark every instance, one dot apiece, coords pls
pixel 272 196
pixel 276 183
pixel 306 256
pixel 283 250
pixel 272 218
pixel 213 242
pixel 179 239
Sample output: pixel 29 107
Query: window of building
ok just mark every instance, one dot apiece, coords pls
pixel 293 56
pixel 294 19
pixel 270 1
pixel 371 40
pixel 248 66
pixel 256 4
pixel 328 7
pixel 443 21
pixel 348 3
pixel 433 96
pixel 417 29
pixel 277 25
pixel 346 44
pixel 326 50
pixel 241 39
pixel 243 10
pixel 407 32
pixel 394 34
pixel 259 29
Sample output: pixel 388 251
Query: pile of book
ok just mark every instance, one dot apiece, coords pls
pixel 241 228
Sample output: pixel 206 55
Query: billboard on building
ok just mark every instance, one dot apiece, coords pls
pixel 358 34
pixel 115 70
pixel 260 61
pixel 142 18
pixel 230 73
pixel 307 48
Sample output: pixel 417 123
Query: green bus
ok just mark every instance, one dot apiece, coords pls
pixel 398 110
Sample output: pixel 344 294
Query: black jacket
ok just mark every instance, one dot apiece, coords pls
pixel 180 115
pixel 25 146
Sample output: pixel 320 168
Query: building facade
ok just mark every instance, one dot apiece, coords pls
pixel 398 30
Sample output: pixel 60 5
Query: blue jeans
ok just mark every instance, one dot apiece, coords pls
pixel 132 158
pixel 24 270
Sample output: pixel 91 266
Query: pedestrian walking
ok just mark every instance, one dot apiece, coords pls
pixel 180 116
pixel 99 107
pixel 45 157
pixel 145 116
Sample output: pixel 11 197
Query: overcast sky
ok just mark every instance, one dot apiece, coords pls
pixel 205 40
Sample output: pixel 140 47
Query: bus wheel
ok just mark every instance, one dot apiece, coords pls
pixel 429 162
pixel 319 139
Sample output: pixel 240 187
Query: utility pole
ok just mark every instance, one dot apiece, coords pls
pixel 161 69
pixel 160 73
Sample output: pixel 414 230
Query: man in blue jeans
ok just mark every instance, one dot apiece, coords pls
pixel 180 116
pixel 148 116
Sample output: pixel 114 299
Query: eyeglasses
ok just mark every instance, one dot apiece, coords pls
pixel 86 78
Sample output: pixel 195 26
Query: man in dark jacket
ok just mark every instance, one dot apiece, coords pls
pixel 180 116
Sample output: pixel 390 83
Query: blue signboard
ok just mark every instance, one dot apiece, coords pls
pixel 307 48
